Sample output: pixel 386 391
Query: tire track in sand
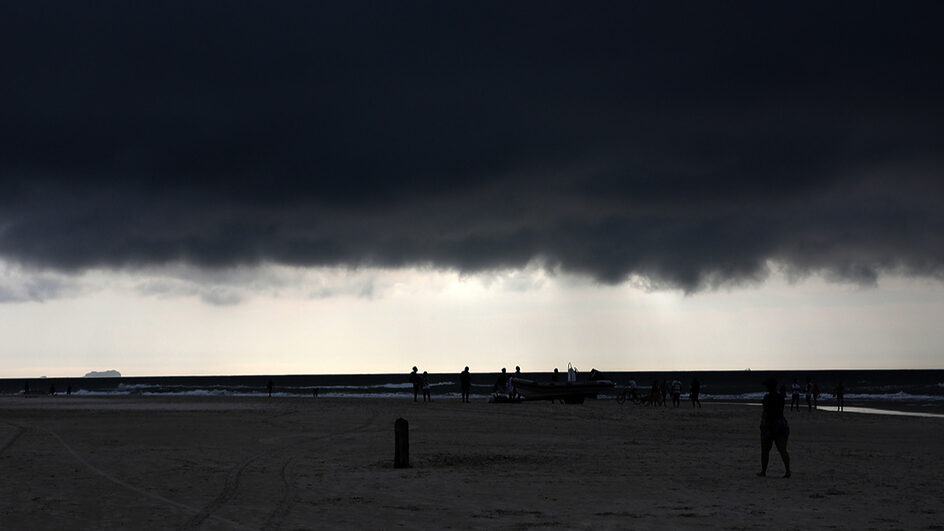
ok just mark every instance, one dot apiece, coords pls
pixel 122 483
pixel 274 520
pixel 12 439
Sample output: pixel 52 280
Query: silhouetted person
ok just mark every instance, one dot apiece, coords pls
pixel 25 388
pixel 840 396
pixel 52 389
pixel 513 390
pixel 664 390
pixel 269 387
pixel 555 376
pixel 417 383
pixel 815 396
pixel 676 392
pixel 69 390
pixel 655 394
pixel 632 390
pixel 426 395
pixel 465 384
pixel 809 394
pixel 502 382
pixel 314 392
pixel 693 392
pixel 795 398
pixel 773 428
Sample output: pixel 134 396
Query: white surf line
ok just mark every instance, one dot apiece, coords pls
pixel 876 411
pixel 861 410
pixel 133 488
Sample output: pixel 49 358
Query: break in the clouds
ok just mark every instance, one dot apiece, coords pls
pixel 690 144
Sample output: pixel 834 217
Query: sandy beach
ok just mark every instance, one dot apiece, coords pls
pixel 259 463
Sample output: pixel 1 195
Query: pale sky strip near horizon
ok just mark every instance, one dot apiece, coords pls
pixel 443 321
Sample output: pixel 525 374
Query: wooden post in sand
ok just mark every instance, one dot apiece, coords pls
pixel 401 458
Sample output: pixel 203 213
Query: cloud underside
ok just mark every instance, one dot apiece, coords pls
pixel 687 151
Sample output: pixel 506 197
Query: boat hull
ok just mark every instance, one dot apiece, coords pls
pixel 569 392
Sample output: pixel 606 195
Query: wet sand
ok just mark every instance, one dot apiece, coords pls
pixel 247 463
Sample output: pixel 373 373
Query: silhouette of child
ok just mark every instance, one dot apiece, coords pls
pixel 426 395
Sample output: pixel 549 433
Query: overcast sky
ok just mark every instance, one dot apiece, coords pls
pixel 229 187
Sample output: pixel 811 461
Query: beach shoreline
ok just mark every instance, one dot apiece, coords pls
pixel 260 463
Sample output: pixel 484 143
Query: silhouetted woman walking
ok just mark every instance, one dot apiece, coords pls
pixel 773 428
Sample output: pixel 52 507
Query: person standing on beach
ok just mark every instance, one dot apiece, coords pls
pixel 426 396
pixel 840 398
pixel 269 387
pixel 513 390
pixel 502 382
pixel 465 384
pixel 815 396
pixel 773 428
pixel 555 376
pixel 664 391
pixel 693 392
pixel 676 392
pixel 415 380
pixel 795 399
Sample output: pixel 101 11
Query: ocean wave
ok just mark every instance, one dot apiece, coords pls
pixel 742 396
pixel 405 385
pixel 409 396
pixel 891 397
pixel 322 392
pixel 85 392
pixel 137 387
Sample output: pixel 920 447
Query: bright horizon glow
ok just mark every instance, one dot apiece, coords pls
pixel 281 320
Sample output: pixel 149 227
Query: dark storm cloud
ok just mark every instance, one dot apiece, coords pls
pixel 689 143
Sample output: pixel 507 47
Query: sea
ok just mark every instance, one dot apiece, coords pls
pixel 911 391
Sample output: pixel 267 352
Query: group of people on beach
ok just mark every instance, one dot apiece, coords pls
pixel 421 383
pixel 504 384
pixel 659 393
pixel 52 389
pixel 811 392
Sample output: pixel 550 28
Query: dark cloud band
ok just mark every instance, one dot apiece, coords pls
pixel 685 143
